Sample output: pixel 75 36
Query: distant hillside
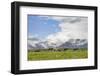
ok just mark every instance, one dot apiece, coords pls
pixel 71 43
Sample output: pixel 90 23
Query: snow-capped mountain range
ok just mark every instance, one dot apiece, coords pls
pixel 34 43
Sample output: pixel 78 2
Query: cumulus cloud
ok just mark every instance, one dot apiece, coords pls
pixel 71 28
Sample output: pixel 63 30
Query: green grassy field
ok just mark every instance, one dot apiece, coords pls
pixel 55 55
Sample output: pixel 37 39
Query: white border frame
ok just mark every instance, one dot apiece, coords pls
pixel 24 64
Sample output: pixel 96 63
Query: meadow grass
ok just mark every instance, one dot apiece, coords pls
pixel 55 55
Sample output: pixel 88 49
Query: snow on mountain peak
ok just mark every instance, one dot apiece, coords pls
pixel 50 43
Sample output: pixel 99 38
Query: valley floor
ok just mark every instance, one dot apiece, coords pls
pixel 55 55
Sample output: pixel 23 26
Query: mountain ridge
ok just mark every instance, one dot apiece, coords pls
pixel 71 43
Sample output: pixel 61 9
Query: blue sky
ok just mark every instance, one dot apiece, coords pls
pixel 42 26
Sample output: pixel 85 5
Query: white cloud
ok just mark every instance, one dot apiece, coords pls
pixel 78 29
pixel 57 18
pixel 71 28
pixel 44 17
pixel 30 36
pixel 65 19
